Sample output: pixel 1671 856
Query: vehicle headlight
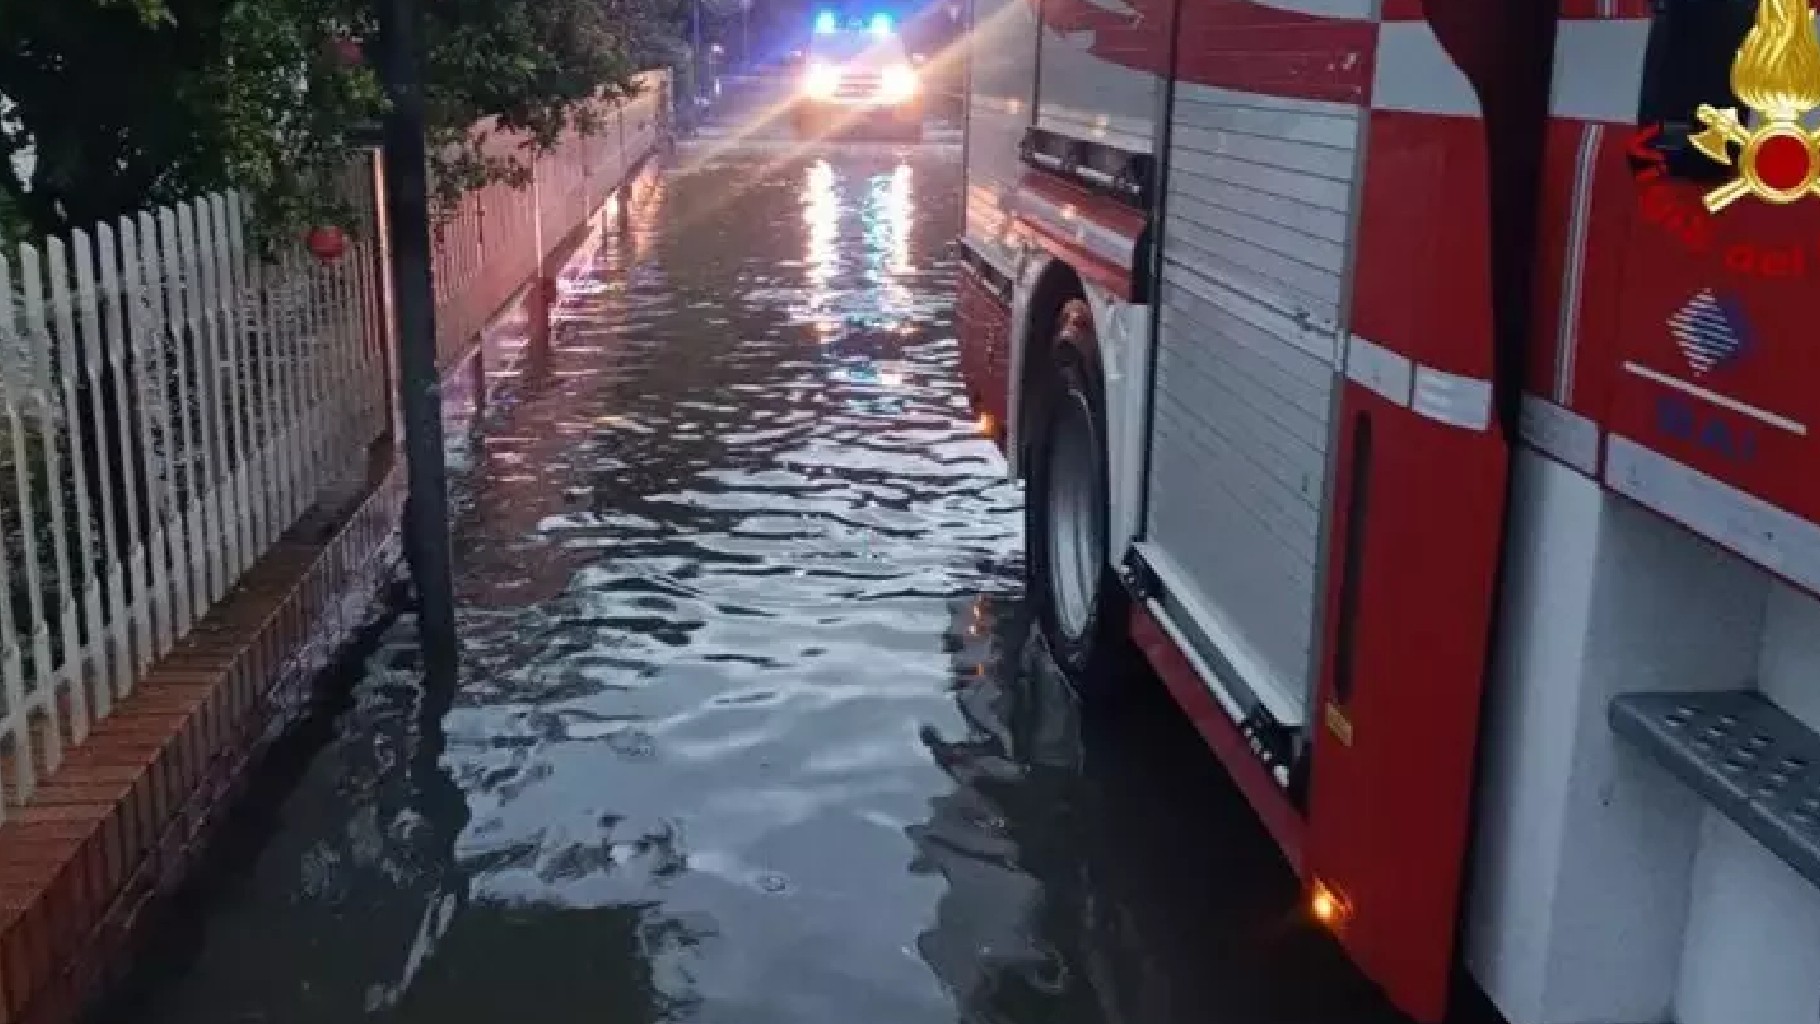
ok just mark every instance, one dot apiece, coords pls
pixel 898 82
pixel 821 80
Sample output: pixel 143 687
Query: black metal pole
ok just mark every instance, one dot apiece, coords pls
pixel 419 387
pixel 695 76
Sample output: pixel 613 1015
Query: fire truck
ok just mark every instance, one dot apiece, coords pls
pixel 1426 389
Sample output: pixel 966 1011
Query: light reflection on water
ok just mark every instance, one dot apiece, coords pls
pixel 768 623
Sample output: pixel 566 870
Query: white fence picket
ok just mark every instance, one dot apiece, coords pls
pixel 118 297
pixel 106 626
pixel 145 302
pixel 19 708
pixel 187 560
pixel 211 251
pixel 253 328
pixel 241 322
pixel 313 352
pixel 203 455
pixel 348 446
pixel 50 674
pixel 174 401
pixel 240 413
pixel 82 655
pixel 280 340
pixel 136 297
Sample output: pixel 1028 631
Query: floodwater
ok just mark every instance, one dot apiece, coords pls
pixel 748 730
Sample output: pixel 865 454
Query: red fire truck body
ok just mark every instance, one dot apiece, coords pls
pixel 1376 367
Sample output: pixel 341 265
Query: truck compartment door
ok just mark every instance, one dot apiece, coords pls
pixel 1259 203
pixel 1101 65
pixel 1438 317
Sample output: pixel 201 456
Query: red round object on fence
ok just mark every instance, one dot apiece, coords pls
pixel 327 243
pixel 348 51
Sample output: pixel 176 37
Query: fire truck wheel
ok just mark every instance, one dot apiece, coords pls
pixel 1081 604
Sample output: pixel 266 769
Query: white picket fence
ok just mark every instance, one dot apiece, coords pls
pixel 171 403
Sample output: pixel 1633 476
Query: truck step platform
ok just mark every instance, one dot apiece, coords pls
pixel 1753 761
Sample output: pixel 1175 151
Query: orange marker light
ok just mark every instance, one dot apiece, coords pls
pixel 1326 906
pixel 988 426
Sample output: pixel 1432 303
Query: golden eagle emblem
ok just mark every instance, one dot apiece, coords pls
pixel 1777 75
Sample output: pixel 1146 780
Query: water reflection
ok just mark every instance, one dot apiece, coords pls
pixel 889 210
pixel 717 713
pixel 536 442
pixel 986 937
pixel 821 212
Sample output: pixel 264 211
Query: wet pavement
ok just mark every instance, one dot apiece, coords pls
pixel 748 730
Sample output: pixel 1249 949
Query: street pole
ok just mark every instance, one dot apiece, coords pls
pixel 419 386
pixel 696 75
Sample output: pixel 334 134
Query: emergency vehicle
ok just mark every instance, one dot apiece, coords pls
pixel 1427 389
pixel 858 76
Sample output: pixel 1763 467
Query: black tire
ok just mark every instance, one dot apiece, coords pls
pixel 1094 651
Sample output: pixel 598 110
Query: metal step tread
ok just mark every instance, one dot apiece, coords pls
pixel 1753 761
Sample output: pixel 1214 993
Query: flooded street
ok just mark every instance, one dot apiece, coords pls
pixel 748 730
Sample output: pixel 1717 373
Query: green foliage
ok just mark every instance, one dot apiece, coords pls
pixel 527 63
pixel 107 106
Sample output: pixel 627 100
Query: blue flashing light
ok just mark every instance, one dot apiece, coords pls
pixel 826 22
pixel 881 24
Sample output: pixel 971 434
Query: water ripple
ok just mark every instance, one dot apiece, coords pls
pixel 750 547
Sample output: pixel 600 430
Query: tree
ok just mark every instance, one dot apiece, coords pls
pixel 110 105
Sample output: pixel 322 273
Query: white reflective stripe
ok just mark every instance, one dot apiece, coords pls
pixel 1764 416
pixel 1379 369
pixel 1131 134
pixel 1598 71
pixel 1354 10
pixel 1767 535
pixel 1567 325
pixel 1333 124
pixel 1066 221
pixel 998 104
pixel 1415 74
pixel 1449 398
pixel 1560 433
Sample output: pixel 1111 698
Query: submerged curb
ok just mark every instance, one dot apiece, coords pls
pixel 120 820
